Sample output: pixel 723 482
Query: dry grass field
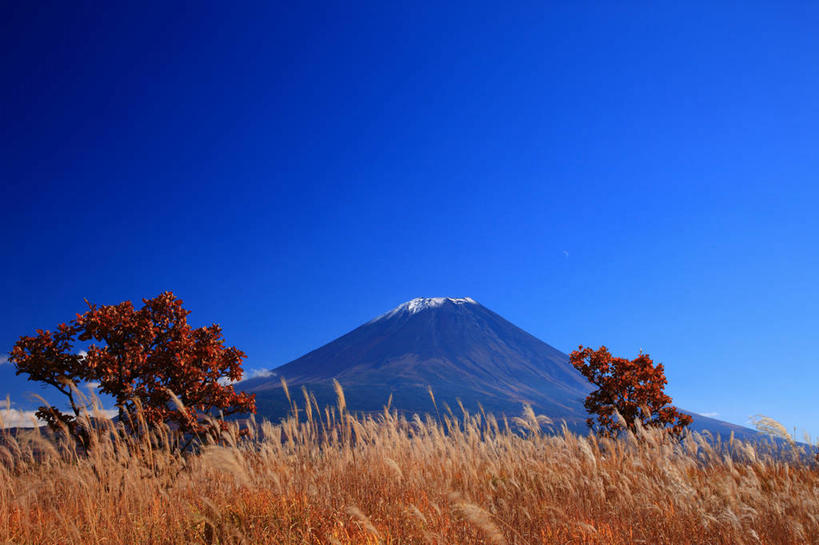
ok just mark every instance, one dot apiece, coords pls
pixel 332 477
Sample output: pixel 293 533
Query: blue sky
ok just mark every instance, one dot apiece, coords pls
pixel 640 176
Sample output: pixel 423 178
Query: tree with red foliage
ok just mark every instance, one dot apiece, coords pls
pixel 632 388
pixel 144 359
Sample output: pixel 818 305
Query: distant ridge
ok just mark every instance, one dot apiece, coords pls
pixel 457 347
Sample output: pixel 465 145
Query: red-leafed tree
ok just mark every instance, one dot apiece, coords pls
pixel 632 388
pixel 143 358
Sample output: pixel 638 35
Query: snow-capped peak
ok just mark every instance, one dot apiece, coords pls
pixel 422 303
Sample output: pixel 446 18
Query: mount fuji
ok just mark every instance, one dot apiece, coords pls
pixel 455 347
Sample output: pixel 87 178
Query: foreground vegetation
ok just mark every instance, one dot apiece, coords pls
pixel 338 478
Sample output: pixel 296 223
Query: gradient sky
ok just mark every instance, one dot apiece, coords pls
pixel 640 176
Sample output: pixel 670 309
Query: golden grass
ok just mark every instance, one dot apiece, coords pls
pixel 339 478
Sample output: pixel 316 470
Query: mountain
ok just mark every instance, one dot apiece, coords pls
pixel 457 347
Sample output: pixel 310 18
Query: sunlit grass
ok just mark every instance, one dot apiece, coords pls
pixel 331 477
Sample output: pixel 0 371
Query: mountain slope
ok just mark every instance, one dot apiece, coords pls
pixel 458 348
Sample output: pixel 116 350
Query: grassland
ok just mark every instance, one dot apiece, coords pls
pixel 332 477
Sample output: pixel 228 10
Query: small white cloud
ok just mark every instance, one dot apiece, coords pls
pixel 258 373
pixel 566 254
pixel 15 418
pixel 82 353
pixel 248 374
pixel 709 415
pixel 4 358
pixel 92 385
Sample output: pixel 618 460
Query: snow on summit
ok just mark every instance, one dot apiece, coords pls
pixel 423 303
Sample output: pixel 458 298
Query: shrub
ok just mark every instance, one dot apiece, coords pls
pixel 632 389
pixel 144 358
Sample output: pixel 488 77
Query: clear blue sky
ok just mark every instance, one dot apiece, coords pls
pixel 641 176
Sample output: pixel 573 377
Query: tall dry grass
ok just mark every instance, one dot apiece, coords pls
pixel 326 476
